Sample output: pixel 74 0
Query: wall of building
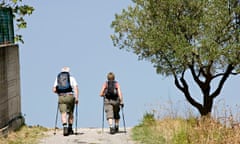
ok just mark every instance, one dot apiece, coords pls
pixel 10 94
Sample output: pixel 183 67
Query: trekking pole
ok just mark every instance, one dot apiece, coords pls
pixel 76 115
pixel 123 120
pixel 103 115
pixel 56 120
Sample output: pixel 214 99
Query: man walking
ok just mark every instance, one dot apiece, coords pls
pixel 113 99
pixel 66 87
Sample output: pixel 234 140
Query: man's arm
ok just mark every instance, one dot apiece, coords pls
pixel 54 89
pixel 76 93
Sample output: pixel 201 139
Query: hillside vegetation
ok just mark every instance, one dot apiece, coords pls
pixel 186 131
pixel 221 128
pixel 25 135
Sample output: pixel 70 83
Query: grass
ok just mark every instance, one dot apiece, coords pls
pixel 25 135
pixel 170 130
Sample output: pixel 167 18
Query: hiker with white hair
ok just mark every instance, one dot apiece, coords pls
pixel 66 87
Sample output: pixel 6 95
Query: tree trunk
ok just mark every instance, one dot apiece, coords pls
pixel 206 109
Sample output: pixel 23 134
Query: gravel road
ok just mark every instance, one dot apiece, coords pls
pixel 88 136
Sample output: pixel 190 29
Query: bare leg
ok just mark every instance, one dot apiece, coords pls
pixel 64 122
pixel 110 122
pixel 64 117
pixel 116 121
pixel 116 125
pixel 70 122
pixel 70 118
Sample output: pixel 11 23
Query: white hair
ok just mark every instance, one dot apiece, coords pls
pixel 65 69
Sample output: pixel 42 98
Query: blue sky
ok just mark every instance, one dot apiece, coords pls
pixel 77 34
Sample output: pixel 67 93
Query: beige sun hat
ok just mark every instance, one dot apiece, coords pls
pixel 65 69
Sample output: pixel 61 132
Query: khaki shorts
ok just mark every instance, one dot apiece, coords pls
pixel 66 103
pixel 112 108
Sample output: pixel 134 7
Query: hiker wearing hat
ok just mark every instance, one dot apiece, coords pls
pixel 113 99
pixel 66 87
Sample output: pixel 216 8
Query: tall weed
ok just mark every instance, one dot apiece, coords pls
pixel 220 128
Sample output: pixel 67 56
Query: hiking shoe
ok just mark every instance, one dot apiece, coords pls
pixel 112 130
pixel 65 131
pixel 70 131
pixel 116 128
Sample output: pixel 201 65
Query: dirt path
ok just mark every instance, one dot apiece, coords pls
pixel 88 136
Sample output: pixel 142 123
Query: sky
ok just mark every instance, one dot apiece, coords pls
pixel 77 34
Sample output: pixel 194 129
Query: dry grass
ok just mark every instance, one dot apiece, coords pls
pixel 221 128
pixel 25 135
pixel 181 131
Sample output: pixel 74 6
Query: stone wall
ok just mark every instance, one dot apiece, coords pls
pixel 10 94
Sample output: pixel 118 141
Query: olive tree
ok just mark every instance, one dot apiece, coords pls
pixel 19 10
pixel 184 38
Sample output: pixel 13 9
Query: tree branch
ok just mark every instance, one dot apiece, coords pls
pixel 185 90
pixel 222 81
pixel 195 77
pixel 193 72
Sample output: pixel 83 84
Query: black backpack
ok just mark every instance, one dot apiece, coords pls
pixel 63 83
pixel 111 91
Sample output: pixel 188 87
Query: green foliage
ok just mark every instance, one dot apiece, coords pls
pixel 145 132
pixel 148 119
pixel 180 36
pixel 20 10
pixel 171 33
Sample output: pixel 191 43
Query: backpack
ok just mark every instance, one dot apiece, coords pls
pixel 63 83
pixel 111 91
